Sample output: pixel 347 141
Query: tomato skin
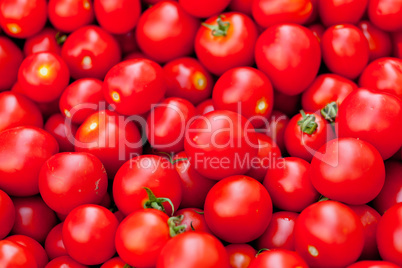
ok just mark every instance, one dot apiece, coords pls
pixel 240 255
pixel 243 6
pixel 373 264
pixel 301 57
pixel 10 60
pixel 23 150
pixel 325 89
pixel 379 41
pixel 33 218
pixel 339 241
pixel 205 138
pixel 193 249
pixel 175 32
pixel 270 12
pixel 397 44
pixel 336 12
pixel 167 122
pixel 22 18
pixel 204 8
pixel 391 192
pixel 193 218
pixel 7 214
pixel 150 171
pixel 15 255
pixel 33 247
pixel 205 107
pixel 90 52
pixel 388 230
pixel 348 170
pixel 144 85
pixel 195 187
pixel 247 91
pixel 54 245
pixel 115 262
pixel 220 53
pixel 44 41
pixel 246 214
pixel 280 258
pixel 276 128
pixel 148 226
pixel 367 111
pixel 65 262
pixel 186 78
pixel 318 30
pixel 384 74
pixel 17 110
pixel 279 233
pixel 127 42
pixel 63 132
pixel 345 50
pixel 386 14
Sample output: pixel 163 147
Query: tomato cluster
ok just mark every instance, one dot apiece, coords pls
pixel 201 133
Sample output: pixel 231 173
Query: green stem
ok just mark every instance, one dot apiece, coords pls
pixel 221 29
pixel 261 251
pixel 174 227
pixel 156 202
pixel 307 123
pixel 60 38
pixel 330 111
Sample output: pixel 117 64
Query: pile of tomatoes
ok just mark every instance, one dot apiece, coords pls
pixel 200 133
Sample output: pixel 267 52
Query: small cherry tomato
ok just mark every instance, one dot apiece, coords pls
pixel 54 245
pixel 379 41
pixel 280 258
pixel 276 127
pixel 397 44
pixel 62 131
pixel 192 219
pixel 45 41
pixel 63 262
pixel 334 12
pixel 386 14
pixel 127 42
pixel 204 8
pixel 240 255
pixel 115 262
pixel 373 264
pixel 36 249
pixel 7 214
pixel 205 107
pixel 10 61
pixel 318 30
pixel 14 255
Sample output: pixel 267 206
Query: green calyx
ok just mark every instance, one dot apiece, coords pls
pixel 60 38
pixel 174 225
pixel 157 202
pixel 307 123
pixel 127 266
pixel 261 251
pixel 218 30
pixel 330 111
pixel 170 158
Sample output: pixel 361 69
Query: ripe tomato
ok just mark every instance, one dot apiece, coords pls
pixel 186 78
pixel 243 6
pixel 150 226
pixel 43 76
pixel 63 262
pixel 204 8
pixel 288 104
pixel 238 217
pixel 7 214
pixel 134 85
pixel 247 91
pixel 334 12
pixel 127 42
pixel 54 245
pixel 226 41
pixel 10 60
pixel 299 57
pixel 339 240
pixel 151 171
pixel 379 41
pixel 33 218
pixel 221 144
pixel 318 30
pixel 33 247
pixel 90 52
pixel 279 233
pixel 388 232
pixel 240 255
pixel 193 249
pixel 348 170
pixel 205 107
pixel 373 264
pixel 276 128
pixel 166 25
pixel 386 14
pixel 62 131
pixel 81 234
pixel 280 258
pixel 115 262
pixel 21 18
pixel 366 111
pixel 397 44
pixel 23 151
pixel 193 219
pixel 45 41
pixel 345 50
pixel 15 255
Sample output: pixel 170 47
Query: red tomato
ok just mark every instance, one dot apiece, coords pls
pixel 334 12
pixel 54 245
pixel 23 151
pixel 391 193
pixel 329 234
pixel 45 41
pixel 397 44
pixel 62 131
pixel 43 76
pixel 290 105
pixel 279 233
pixel 288 50
pixel 388 232
pixel 186 78
pixel 118 16
pixel 195 186
pixel 306 133
pixel 15 255
pixel 205 107
pixel 22 18
pixel 318 30
pixel 150 226
pixel 348 170
pixel 383 74
pixel 221 144
pixel 193 249
pixel 110 137
pixel 151 171
pixel 326 88
pixel 127 42
pixel 10 60
pixel 240 255
pixel 238 216
pixel 276 128
pixel 226 41
pixel 279 258
pixel 270 12
pixel 247 91
pixel 166 25
pixel 81 234
pixel 373 264
pixel 345 50
pixel 134 85
pixel 386 14
pixel 33 247
pixel 115 262
pixel 70 15
pixel 243 6
pixel 81 98
pixel 16 110
pixel 193 219
pixel 365 112
pixel 90 52
pixel 64 262
pixel 379 41
pixel 33 218
pixel 7 214
pixel 204 8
